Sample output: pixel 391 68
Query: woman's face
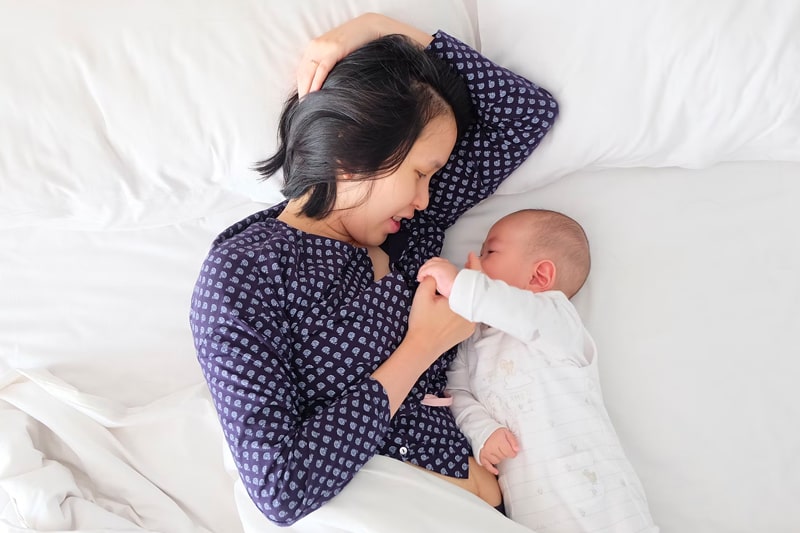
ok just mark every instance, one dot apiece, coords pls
pixel 368 211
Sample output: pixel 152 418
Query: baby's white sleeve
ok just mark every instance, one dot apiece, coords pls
pixel 471 416
pixel 514 311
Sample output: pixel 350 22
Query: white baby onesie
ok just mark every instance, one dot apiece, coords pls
pixel 531 366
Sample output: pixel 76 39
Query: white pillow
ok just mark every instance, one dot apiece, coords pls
pixel 653 83
pixel 141 113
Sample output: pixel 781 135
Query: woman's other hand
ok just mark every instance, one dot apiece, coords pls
pixel 325 51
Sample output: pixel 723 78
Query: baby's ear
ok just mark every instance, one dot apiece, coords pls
pixel 543 276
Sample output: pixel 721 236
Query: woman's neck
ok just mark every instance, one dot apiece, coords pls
pixel 331 227
pixel 325 227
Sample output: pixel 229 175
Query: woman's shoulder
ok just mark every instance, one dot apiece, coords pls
pixel 249 227
pixel 272 251
pixel 259 244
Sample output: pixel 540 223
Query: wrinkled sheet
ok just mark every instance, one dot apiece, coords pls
pixel 107 424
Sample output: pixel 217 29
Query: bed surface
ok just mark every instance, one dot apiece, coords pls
pixel 127 132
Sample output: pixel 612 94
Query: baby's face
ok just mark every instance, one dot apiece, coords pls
pixel 504 254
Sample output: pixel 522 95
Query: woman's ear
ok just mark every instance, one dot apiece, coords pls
pixel 543 277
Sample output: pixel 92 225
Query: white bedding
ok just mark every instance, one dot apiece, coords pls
pixel 127 130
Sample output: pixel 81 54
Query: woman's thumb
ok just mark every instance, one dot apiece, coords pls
pixel 427 285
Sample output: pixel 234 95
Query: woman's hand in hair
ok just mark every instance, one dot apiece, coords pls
pixel 325 51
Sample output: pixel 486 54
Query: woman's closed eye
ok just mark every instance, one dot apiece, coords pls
pixel 421 175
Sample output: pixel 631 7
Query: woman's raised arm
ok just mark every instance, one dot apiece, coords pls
pixel 513 115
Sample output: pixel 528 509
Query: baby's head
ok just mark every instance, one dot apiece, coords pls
pixel 537 250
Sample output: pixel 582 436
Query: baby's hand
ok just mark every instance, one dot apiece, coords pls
pixel 500 445
pixel 442 271
pixel 473 263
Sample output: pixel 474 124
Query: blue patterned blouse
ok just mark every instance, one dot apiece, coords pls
pixel 288 326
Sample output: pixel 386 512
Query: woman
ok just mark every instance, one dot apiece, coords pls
pixel 302 315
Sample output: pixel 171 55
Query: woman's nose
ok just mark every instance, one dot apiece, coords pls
pixel 422 197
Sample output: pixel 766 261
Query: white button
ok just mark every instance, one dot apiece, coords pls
pixel 403 451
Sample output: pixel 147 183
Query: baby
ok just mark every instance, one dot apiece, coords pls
pixel 525 386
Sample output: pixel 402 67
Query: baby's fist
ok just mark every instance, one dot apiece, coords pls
pixel 442 271
pixel 500 445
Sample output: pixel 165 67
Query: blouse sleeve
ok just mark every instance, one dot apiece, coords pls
pixel 512 116
pixel 291 458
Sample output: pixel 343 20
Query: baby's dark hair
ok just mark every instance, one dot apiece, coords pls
pixel 564 240
pixel 364 120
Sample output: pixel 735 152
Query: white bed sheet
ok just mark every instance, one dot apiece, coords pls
pixel 692 300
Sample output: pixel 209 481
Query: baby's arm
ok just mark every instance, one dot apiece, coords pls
pixel 473 418
pixel 476 297
pixel 520 313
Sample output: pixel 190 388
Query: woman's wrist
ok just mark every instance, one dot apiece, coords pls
pixel 402 369
pixel 384 25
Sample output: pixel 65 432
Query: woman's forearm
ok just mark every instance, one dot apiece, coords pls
pixel 401 370
pixel 386 26
pixel 432 329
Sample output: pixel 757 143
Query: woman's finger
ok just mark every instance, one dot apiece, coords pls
pixel 423 271
pixel 427 286
pixel 320 56
pixel 306 72
pixel 320 74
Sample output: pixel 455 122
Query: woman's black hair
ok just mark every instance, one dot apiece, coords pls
pixel 365 119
